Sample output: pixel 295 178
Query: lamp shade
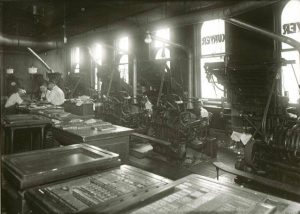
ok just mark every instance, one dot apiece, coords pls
pixel 148 38
pixel 10 71
pixel 32 70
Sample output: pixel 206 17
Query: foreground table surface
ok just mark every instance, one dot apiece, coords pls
pixel 104 189
pixel 199 194
pixel 38 167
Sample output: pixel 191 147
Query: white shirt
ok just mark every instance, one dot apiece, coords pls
pixel 44 95
pixel 204 113
pixel 13 99
pixel 56 96
pixel 148 106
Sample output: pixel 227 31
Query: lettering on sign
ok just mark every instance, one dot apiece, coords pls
pixel 291 28
pixel 213 39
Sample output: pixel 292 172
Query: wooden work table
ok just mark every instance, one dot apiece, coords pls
pixel 66 132
pixel 114 139
pixel 27 122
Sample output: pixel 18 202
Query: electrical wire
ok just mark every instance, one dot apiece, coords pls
pixel 295 76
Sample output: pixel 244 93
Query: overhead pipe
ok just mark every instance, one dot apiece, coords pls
pixel 11 41
pixel 219 13
pixel 277 37
pixel 185 19
pixel 40 59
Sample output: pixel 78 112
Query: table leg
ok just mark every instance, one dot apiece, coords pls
pixel 217 173
pixel 42 140
pixel 12 130
pixel 30 140
pixel 3 144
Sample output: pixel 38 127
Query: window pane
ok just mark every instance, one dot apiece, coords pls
pixel 123 44
pixel 213 37
pixel 123 69
pixel 124 59
pixel 290 21
pixel 163 53
pixel 289 82
pixel 164 34
pixel 212 42
pixel 97 53
pixel 75 59
pixel 210 90
pixel 96 78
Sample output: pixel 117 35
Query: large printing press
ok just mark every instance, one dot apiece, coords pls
pixel 159 113
pixel 273 148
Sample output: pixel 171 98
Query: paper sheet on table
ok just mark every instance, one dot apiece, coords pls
pixel 245 138
pixel 236 136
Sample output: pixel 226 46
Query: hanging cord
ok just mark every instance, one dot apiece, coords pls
pixel 295 76
pixel 263 123
pixel 215 84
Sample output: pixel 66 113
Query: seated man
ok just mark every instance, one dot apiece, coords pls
pixel 44 92
pixel 56 95
pixel 13 100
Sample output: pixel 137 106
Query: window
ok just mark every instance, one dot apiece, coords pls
pixel 290 27
pixel 97 54
pixel 123 67
pixel 75 59
pixel 212 50
pixel 162 52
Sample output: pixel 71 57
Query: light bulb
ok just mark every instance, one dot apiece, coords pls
pixel 148 38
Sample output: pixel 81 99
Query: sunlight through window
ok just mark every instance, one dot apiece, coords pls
pixel 290 27
pixel 212 50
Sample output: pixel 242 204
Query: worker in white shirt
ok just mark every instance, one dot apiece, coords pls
pixel 56 95
pixel 44 92
pixel 13 100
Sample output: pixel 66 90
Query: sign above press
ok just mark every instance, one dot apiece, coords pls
pixel 213 37
pixel 207 40
pixel 290 21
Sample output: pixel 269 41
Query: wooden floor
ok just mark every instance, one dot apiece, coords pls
pixel 204 168
pixel 176 171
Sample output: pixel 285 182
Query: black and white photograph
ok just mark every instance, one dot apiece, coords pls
pixel 150 106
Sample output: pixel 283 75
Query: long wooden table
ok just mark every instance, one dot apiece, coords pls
pixel 27 122
pixel 114 140
pixel 295 190
pixel 199 194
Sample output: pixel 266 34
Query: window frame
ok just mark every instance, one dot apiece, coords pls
pixel 75 60
pixel 285 50
pixel 163 46
pixel 212 56
pixel 120 55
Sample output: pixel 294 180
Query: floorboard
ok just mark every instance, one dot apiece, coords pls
pixel 172 171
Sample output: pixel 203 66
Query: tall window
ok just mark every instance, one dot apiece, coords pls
pixel 75 59
pixel 212 50
pixel 162 50
pixel 290 27
pixel 97 54
pixel 123 67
